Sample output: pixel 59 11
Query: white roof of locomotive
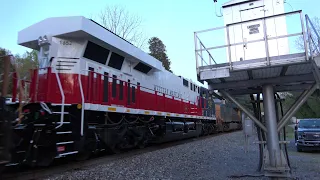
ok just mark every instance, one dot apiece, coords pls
pixel 81 27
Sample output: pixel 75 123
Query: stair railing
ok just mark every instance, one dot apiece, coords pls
pixel 313 37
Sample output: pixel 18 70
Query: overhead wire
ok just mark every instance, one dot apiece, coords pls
pixel 285 2
pixel 215 8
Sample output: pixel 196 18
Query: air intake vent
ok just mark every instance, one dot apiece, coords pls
pixel 66 65
pixel 142 68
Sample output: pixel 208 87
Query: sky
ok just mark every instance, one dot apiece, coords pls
pixel 173 21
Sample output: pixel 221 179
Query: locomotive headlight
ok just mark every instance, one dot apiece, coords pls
pixel 45 39
pixel 40 40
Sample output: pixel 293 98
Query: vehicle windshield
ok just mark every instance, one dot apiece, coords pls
pixel 309 123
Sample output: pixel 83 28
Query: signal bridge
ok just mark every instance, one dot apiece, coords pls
pixel 259 57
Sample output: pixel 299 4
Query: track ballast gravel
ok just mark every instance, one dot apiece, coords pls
pixel 220 157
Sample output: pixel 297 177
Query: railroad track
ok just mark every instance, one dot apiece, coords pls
pixel 58 168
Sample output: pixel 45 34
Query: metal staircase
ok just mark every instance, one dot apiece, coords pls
pixel 65 141
pixel 47 142
pixel 63 128
pixel 65 144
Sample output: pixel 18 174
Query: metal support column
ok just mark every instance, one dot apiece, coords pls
pixel 271 123
pixel 275 163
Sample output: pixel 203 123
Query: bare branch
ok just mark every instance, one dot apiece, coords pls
pixel 299 41
pixel 124 24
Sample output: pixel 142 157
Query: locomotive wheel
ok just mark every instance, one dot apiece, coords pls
pixel 141 145
pixel 114 149
pixel 225 127
pixel 1 169
pixel 212 129
pixel 90 146
pixel 83 155
pixel 45 162
pixel 45 155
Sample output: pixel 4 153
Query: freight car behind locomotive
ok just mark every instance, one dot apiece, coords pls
pixel 228 116
pixel 94 91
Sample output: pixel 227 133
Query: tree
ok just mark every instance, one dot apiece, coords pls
pixel 158 50
pixel 122 23
pixel 299 41
pixel 245 101
pixel 311 108
pixel 3 52
pixel 29 60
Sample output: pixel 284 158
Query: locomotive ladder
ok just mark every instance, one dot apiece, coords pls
pixel 267 75
pixel 63 128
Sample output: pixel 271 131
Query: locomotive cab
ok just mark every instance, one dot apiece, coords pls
pixel 59 67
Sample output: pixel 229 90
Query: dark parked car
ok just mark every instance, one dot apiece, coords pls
pixel 307 134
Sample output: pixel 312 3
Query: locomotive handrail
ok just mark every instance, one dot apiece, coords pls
pixel 310 38
pixel 62 100
pixel 134 84
pixel 44 106
pixel 82 103
pixel 83 98
pixel 229 44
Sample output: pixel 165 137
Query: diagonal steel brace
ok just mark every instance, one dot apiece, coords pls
pixel 295 107
pixel 251 116
pixel 316 72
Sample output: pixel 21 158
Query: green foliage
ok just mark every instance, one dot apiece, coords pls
pixel 310 109
pixel 28 61
pixel 158 50
pixel 3 52
pixel 245 101
pixel 24 63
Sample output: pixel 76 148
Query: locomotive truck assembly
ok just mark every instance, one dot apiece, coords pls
pixel 94 91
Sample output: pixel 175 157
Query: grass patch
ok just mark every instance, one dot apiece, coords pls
pixel 290 132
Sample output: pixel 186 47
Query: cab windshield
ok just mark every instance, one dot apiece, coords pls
pixel 309 123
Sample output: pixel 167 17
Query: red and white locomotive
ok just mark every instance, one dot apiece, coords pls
pixel 95 91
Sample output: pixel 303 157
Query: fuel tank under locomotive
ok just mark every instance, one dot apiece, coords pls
pixel 176 130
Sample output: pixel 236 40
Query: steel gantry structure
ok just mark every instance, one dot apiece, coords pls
pixel 265 74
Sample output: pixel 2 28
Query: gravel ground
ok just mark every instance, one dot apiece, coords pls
pixel 218 158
